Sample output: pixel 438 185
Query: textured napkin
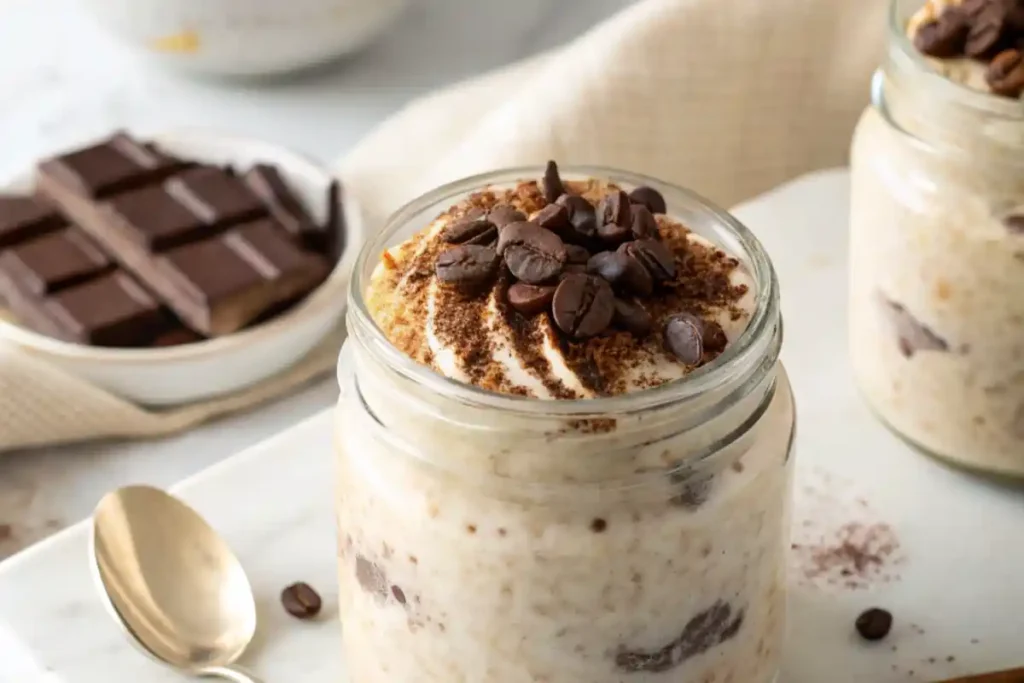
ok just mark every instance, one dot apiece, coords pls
pixel 728 97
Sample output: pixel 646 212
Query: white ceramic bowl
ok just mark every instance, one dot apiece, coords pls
pixel 245 37
pixel 191 372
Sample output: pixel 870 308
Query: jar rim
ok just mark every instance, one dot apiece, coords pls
pixel 748 351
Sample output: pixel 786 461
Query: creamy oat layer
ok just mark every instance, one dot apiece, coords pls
pixel 479 336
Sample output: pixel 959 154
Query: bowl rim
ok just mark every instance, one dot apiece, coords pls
pixel 330 292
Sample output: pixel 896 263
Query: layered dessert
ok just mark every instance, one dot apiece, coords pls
pixel 552 509
pixel 937 245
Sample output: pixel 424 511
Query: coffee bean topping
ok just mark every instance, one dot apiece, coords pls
pixel 713 337
pixel 577 254
pixel 1005 74
pixel 650 198
pixel 301 601
pixel 683 339
pixel 554 217
pixel 644 224
pixel 874 623
pixel 582 217
pixel 530 299
pixel 987 31
pixel 468 266
pixel 614 234
pixel 622 271
pixel 533 255
pixel 583 306
pixel 472 229
pixel 503 214
pixel 553 188
pixel 945 36
pixel 655 256
pixel 615 208
pixel 632 317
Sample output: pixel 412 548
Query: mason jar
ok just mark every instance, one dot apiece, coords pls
pixel 937 259
pixel 492 538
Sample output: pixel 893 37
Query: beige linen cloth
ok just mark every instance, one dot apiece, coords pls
pixel 728 97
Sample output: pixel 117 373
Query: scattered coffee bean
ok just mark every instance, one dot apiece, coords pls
pixel 301 601
pixel 583 305
pixel 632 317
pixel 503 214
pixel 614 234
pixel 874 624
pixel 533 254
pixel 467 266
pixel 1005 74
pixel 614 208
pixel 582 217
pixel 622 272
pixel 645 226
pixel 553 187
pixel 471 229
pixel 944 37
pixel 598 525
pixel 530 299
pixel 554 217
pixel 655 256
pixel 682 338
pixel 650 198
pixel 986 32
pixel 576 254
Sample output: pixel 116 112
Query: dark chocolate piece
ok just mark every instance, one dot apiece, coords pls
pixel 214 196
pixel 23 217
pixel 177 335
pixel 54 261
pixel 115 165
pixel 153 219
pixel 268 184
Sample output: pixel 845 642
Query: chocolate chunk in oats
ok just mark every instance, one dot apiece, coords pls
pixel 632 317
pixel 533 255
pixel 645 226
pixel 553 187
pixel 582 217
pixel 707 629
pixel 649 198
pixel 530 299
pixel 371 577
pixel 583 305
pixel 467 267
pixel 623 272
pixel 614 208
pixel 912 335
pixel 653 255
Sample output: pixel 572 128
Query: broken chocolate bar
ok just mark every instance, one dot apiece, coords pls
pixel 267 183
pixel 54 261
pixel 22 217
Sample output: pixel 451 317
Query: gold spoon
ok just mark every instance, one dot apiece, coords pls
pixel 172 583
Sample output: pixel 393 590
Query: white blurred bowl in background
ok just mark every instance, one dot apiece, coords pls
pixel 245 37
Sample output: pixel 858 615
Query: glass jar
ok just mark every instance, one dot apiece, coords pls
pixel 494 539
pixel 937 262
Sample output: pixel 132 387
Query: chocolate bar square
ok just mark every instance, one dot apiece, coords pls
pixel 22 217
pixel 266 181
pixel 54 261
pixel 153 219
pixel 215 196
pixel 115 165
pixel 111 310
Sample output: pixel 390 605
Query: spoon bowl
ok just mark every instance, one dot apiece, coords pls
pixel 171 582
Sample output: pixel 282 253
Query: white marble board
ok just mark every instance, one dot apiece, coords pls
pixel 954 584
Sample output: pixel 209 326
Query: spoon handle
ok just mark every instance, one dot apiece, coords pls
pixel 230 673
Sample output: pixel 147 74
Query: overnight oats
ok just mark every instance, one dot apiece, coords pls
pixel 937 233
pixel 563 439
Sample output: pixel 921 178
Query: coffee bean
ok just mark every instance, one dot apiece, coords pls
pixel 468 266
pixel 533 254
pixel 632 317
pixel 301 601
pixel 553 187
pixel 614 234
pixel 1015 224
pixel 503 214
pixel 650 198
pixel 554 217
pixel 713 337
pixel 471 229
pixel 582 217
pixel 530 299
pixel 572 269
pixel 583 306
pixel 614 208
pixel 874 623
pixel 682 337
pixel 1005 75
pixel 945 36
pixel 986 32
pixel 655 256
pixel 645 226
pixel 623 272
pixel 576 254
